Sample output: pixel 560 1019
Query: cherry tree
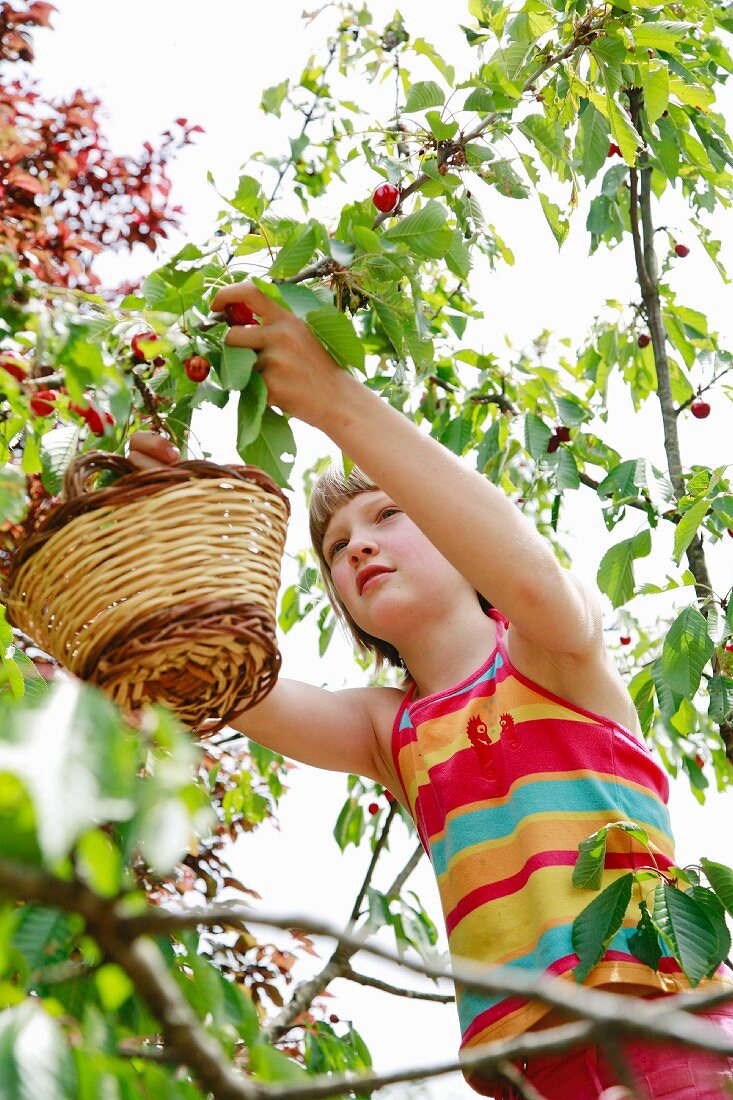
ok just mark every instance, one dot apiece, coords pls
pixel 101 961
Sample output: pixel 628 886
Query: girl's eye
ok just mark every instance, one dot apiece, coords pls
pixel 341 542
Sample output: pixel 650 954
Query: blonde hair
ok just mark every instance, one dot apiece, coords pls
pixel 329 492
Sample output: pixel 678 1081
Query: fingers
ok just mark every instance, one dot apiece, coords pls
pixel 149 449
pixel 252 296
pixel 248 336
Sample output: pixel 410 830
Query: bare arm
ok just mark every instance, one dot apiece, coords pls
pixel 327 729
pixel 471 521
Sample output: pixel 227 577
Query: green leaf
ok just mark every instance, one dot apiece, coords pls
pixel 272 98
pixel 536 436
pixel 58 447
pixel 250 410
pixel 687 527
pixel 567 470
pixel 425 232
pixel 236 366
pixel 662 35
pixel 687 929
pixel 644 942
pixel 616 571
pixel 687 649
pixel 338 335
pixel 546 134
pixel 35 1059
pixel 655 82
pixel 720 691
pixel 595 927
pixel 588 870
pixel 591 147
pixel 295 253
pixel 720 878
pixel 559 225
pixel 715 910
pixel 76 759
pixel 424 94
pixel 274 448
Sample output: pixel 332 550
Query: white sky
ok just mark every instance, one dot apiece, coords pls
pixel 151 63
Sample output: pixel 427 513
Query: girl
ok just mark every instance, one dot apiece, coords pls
pixel 516 737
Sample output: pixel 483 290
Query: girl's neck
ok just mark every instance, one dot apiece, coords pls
pixel 445 651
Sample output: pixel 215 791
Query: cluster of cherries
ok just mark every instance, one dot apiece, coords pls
pixel 43 402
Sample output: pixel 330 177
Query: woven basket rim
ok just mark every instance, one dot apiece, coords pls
pixel 133 485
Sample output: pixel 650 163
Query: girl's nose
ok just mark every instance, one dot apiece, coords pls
pixel 362 549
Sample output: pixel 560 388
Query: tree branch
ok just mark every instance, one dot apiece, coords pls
pixel 305 993
pixel 395 990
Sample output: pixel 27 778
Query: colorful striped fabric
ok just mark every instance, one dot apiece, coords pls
pixel 504 780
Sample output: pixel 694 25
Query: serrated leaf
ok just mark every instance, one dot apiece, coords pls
pixel 250 410
pixel 656 91
pixel 720 878
pixel 644 941
pixel 588 870
pixel 236 366
pixel 58 447
pixel 686 927
pixel 338 335
pixel 687 649
pixel 295 253
pixel 616 571
pixel 591 147
pixel 595 927
pixel 424 94
pixel 536 435
pixel 720 691
pixel 274 448
pixel 567 471
pixel 687 527
pixel 425 232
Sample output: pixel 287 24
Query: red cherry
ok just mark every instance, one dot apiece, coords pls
pixel 644 339
pixel 625 639
pixel 13 364
pixel 520 500
pixel 373 808
pixel 699 760
pixel 730 532
pixel 137 351
pixel 563 434
pixel 553 444
pixel 40 402
pixel 333 1018
pixel 94 421
pixel 197 367
pixel 159 361
pixel 700 409
pixel 389 796
pixel 239 313
pixel 613 151
pixel 385 197
pixel 682 250
pixel 109 419
pixel 729 647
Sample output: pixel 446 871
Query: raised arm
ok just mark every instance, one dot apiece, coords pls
pixel 471 521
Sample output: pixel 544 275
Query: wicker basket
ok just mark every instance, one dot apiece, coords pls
pixel 160 588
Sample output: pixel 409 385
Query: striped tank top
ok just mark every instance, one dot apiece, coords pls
pixel 503 780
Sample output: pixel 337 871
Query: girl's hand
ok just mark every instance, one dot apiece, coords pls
pixel 149 450
pixel 301 377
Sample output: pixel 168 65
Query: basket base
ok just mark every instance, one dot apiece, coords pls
pixel 208 659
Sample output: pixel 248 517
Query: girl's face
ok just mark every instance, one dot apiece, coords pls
pixel 384 569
